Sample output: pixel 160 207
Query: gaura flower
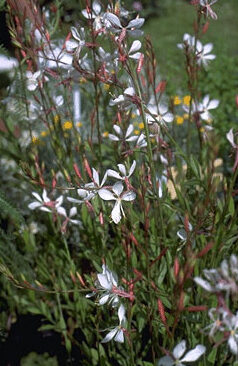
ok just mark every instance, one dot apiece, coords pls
pixel 68 218
pixel 120 136
pixel 124 100
pixel 118 196
pixel 32 81
pixel 113 23
pixel 118 332
pixel 206 106
pixel 124 175
pixel 158 113
pixel 231 323
pixel 207 6
pixel 177 357
pixel 94 14
pixel 78 42
pixel 107 287
pixel 44 203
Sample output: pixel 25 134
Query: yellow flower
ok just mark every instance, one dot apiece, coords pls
pixel 186 99
pixel 105 134
pixel 141 125
pixel 67 125
pixel 177 100
pixel 106 87
pixel 153 140
pixel 202 129
pixel 56 118
pixel 79 124
pixel 133 115
pixel 44 133
pixel 179 120
pixel 35 140
pixel 136 132
pixel 82 80
pixel 185 116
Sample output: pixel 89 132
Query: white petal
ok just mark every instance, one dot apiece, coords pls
pixel 168 117
pixel 42 208
pixel 213 104
pixel 132 138
pixel 117 129
pixel 102 278
pixel 209 57
pixel 110 336
pixel 230 137
pixel 121 313
pixel 199 46
pixel 132 168
pixel 136 46
pixel 113 19
pixel 113 137
pixel 204 284
pixel 95 176
pixel 194 354
pixel 136 56
pixel 166 361
pixel 62 211
pixel 207 48
pixel 182 234
pixel 103 300
pixel 129 91
pixel 129 196
pixel 86 14
pixel 34 205
pixel 179 350
pixel 117 188
pixel 37 196
pixel 73 212
pixel 96 7
pixel 76 222
pixel 74 200
pixel 129 130
pixel 233 345
pixel 116 212
pixel 71 45
pixel 106 195
pixel 122 169
pixel 114 174
pixel 136 23
pixel 119 336
pixel 163 109
pixel 59 201
pixel 75 33
pixel 205 101
pixel 44 196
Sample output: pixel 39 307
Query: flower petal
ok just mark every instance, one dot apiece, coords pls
pixel 194 354
pixel 114 174
pixel 103 280
pixel 129 196
pixel 119 336
pixel 179 350
pixel 110 336
pixel 117 188
pixel 136 46
pixel 34 205
pixel 106 195
pixel 116 212
pixel 121 313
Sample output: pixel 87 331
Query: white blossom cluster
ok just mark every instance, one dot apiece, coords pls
pixel 116 193
pixel 223 282
pixel 106 286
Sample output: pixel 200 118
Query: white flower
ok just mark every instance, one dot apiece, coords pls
pixel 106 285
pixel 118 332
pixel 55 57
pixel 136 46
pixel 79 41
pixel 217 316
pixel 160 183
pixel 89 190
pixel 188 41
pixel 203 53
pixel 141 141
pixel 94 14
pixel 68 218
pixel 178 352
pixel 124 175
pixel 44 203
pixel 206 106
pixel 113 23
pixel 120 136
pixel 117 196
pixel 207 5
pixel 124 100
pixel 231 322
pixel 158 113
pixel 32 81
